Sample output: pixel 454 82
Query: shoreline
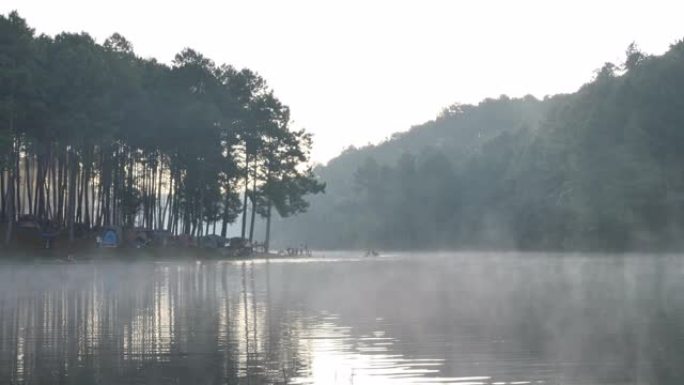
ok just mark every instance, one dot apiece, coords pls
pixel 125 254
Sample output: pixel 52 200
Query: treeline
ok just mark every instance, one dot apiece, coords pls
pixel 92 135
pixel 599 169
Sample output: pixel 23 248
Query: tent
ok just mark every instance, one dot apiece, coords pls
pixel 239 247
pixel 110 237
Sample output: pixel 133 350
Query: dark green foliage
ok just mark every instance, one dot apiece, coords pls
pixel 93 134
pixel 597 169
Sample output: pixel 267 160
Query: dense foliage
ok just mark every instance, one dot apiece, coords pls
pixel 597 169
pixel 92 135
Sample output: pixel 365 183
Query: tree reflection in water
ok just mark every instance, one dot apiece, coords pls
pixel 137 323
pixel 459 318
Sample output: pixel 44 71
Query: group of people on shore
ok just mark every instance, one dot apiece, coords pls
pixel 302 250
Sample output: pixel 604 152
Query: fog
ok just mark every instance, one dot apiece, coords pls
pixel 461 318
pixel 169 221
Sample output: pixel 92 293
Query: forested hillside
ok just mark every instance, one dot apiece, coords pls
pixel 599 169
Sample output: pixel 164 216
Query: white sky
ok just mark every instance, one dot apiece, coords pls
pixel 354 72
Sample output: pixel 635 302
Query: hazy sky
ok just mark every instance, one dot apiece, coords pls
pixel 354 72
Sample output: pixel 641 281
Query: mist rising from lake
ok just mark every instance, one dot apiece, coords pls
pixel 458 318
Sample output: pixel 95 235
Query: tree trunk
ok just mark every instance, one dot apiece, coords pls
pixel 17 178
pixel 71 203
pixel 267 240
pixel 60 190
pixel 27 171
pixel 2 195
pixel 40 185
pixel 254 205
pixel 86 198
pixel 169 200
pixel 159 205
pixel 244 200
pixel 10 207
pixel 224 219
pixel 10 197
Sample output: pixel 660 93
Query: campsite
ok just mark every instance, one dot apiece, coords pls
pixel 42 242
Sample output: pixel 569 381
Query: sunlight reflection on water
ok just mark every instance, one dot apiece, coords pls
pixel 346 319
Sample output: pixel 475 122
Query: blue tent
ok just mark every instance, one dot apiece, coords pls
pixel 110 237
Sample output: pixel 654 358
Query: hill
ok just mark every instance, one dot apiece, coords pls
pixel 598 169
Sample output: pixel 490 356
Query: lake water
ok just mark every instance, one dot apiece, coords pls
pixel 458 318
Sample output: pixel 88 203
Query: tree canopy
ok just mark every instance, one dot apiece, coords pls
pixel 93 135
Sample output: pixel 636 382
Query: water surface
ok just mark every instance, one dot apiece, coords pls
pixel 455 318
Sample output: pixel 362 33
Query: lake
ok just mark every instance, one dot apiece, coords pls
pixel 340 318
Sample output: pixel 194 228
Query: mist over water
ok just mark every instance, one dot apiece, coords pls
pixel 457 318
